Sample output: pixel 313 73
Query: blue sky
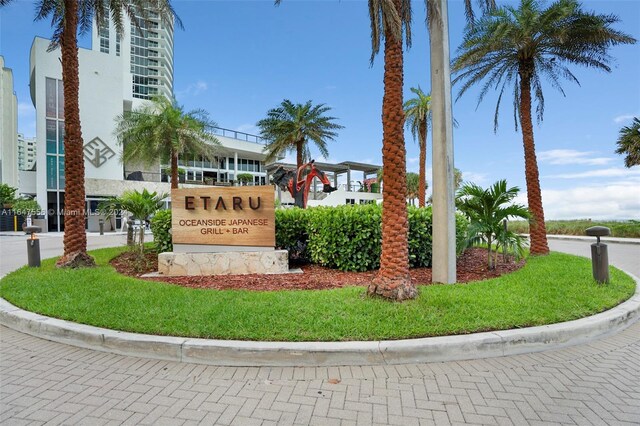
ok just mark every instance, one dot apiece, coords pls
pixel 237 59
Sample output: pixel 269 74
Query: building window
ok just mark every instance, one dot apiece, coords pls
pixel 51 98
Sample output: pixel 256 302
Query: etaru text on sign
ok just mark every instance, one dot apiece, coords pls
pixel 233 216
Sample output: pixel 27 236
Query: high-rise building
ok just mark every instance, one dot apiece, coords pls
pixel 148 45
pixel 26 152
pixel 117 75
pixel 8 128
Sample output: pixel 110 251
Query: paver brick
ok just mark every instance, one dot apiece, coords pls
pixel 594 383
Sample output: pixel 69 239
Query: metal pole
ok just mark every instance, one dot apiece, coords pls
pixel 444 230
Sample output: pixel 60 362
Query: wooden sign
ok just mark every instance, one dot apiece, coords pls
pixel 227 216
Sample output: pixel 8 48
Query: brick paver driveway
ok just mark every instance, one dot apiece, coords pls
pixel 597 383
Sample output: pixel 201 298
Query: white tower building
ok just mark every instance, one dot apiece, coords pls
pixel 149 49
pixel 8 128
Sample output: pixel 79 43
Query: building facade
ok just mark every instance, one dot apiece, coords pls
pixel 26 152
pixel 117 75
pixel 147 54
pixel 8 128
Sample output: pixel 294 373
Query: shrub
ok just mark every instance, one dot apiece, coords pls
pixel 346 237
pixel 160 227
pixel 420 236
pixel 349 237
pixel 291 233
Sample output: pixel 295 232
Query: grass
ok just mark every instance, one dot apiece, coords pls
pixel 621 229
pixel 548 289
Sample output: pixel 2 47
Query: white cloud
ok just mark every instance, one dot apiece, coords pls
pixel 477 178
pixel 194 89
pixel 412 160
pixel 603 173
pixel 616 201
pixel 622 118
pixel 570 156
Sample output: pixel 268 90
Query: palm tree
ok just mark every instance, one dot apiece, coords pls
pixel 629 143
pixel 70 18
pixel 391 22
pixel 290 127
pixel 415 187
pixel 161 130
pixel 522 45
pixel 487 209
pixel 141 205
pixel 417 112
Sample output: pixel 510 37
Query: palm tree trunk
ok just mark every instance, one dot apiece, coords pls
pixel 537 228
pixel 174 170
pixel 393 280
pixel 299 153
pixel 75 237
pixel 422 134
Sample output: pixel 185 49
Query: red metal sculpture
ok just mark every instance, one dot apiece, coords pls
pixel 298 185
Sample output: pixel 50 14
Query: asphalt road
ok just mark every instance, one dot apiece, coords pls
pixel 13 248
pixel 623 256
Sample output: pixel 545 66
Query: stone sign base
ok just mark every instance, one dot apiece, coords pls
pixel 223 263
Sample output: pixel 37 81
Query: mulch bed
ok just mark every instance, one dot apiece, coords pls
pixel 471 266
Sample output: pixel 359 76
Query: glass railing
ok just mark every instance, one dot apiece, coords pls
pixel 234 134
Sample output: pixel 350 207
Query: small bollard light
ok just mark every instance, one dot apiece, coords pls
pixel 101 225
pixel 33 246
pixel 599 254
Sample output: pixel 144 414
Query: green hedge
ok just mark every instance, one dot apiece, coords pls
pixel 349 237
pixel 291 233
pixel 345 237
pixel 160 228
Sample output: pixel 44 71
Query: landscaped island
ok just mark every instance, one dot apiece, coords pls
pixel 548 289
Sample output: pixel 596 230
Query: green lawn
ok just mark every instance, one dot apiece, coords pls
pixel 548 289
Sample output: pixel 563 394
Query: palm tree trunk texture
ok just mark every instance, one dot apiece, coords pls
pixel 174 170
pixel 75 237
pixel 537 228
pixel 422 134
pixel 393 280
pixel 299 154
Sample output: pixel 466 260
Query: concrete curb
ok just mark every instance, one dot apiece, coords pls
pixel 247 353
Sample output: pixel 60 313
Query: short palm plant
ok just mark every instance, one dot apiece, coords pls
pixel 487 209
pixel 141 205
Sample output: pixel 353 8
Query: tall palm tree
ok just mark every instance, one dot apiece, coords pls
pixel 521 45
pixel 290 127
pixel 391 22
pixel 70 18
pixel 161 130
pixel 629 143
pixel 417 112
